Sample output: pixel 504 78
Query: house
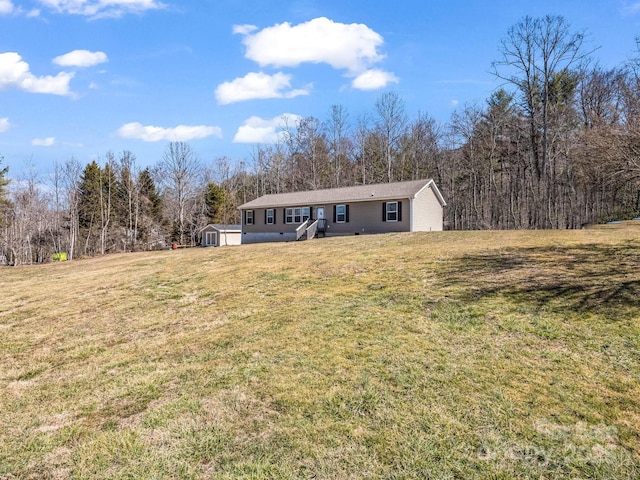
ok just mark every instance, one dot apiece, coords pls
pixel 414 206
pixel 216 235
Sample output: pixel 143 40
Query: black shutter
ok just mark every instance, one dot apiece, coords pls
pixel 399 211
pixel 244 217
pixel 284 215
pixel 334 214
pixel 265 217
pixel 346 207
pixel 274 216
pixel 384 211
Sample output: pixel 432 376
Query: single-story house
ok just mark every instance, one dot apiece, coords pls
pixel 216 235
pixel 413 206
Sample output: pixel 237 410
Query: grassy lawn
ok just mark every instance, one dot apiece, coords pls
pixel 440 355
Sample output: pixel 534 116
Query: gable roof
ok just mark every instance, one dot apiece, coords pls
pixel 223 228
pixel 359 193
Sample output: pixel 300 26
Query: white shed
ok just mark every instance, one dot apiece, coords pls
pixel 217 235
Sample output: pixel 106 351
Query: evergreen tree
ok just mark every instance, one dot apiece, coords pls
pixel 215 200
pixel 4 191
pixel 4 210
pixel 151 225
pixel 89 206
pixel 150 196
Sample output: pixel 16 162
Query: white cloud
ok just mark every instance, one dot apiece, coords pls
pixel 81 58
pixel 244 29
pixel 101 8
pixel 455 103
pixel 352 47
pixel 373 80
pixel 43 142
pixel 4 124
pixel 259 130
pixel 6 7
pixel 14 72
pixel 257 85
pixel 181 133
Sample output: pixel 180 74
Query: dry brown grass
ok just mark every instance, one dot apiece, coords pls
pixel 442 355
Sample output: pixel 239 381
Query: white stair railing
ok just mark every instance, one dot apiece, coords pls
pixel 311 230
pixel 301 229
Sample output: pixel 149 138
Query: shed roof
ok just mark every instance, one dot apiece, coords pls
pixel 222 228
pixel 359 193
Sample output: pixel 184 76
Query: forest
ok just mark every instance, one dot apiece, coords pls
pixel 557 146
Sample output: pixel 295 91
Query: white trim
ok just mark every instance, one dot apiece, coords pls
pixel 221 228
pixel 411 214
pixel 300 217
pixel 432 185
pixel 386 211
pixel 208 236
pixel 334 200
pixel 337 202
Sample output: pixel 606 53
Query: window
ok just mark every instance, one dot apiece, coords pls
pixel 270 216
pixel 392 211
pixel 248 217
pixel 341 214
pixel 297 214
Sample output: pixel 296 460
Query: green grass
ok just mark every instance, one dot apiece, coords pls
pixel 440 355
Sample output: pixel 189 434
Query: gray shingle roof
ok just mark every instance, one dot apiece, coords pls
pixel 221 227
pixel 360 193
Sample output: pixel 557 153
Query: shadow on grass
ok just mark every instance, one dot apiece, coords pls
pixel 598 278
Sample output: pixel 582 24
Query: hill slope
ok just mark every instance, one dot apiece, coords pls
pixel 442 355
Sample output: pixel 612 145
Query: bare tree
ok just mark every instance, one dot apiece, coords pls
pixel 392 120
pixel 362 153
pixel 308 154
pixel 337 129
pixel 179 171
pixel 538 56
pixel 421 150
pixel 30 223
pixel 70 172
pixel 128 197
pixel 600 97
pixel 107 197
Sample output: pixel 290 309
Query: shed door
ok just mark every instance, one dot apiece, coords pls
pixel 211 239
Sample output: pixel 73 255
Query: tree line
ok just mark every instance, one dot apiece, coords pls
pixel 557 146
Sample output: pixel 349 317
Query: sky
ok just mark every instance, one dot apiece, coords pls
pixel 81 78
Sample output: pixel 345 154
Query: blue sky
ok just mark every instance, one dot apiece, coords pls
pixel 79 78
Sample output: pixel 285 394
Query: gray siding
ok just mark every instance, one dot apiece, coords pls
pixel 364 218
pixel 264 237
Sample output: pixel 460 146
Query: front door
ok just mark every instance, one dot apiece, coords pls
pixel 322 223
